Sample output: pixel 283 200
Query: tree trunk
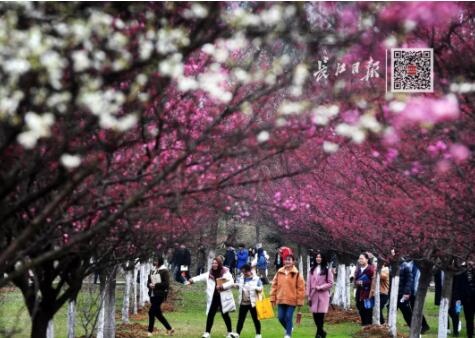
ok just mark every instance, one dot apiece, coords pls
pixel 258 232
pixel 347 288
pixel 50 329
pixel 109 305
pixel 445 303
pixel 101 316
pixel 211 255
pixel 377 298
pixel 148 268
pixel 142 285
pixel 424 281
pixel 340 289
pixel 301 265
pixel 134 291
pixel 393 299
pixel 71 318
pixel 39 325
pixel 308 267
pixel 126 302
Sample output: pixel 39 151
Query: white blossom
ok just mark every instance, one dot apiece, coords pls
pixel 37 126
pixel 263 136
pixel 196 10
pixel 171 39
pixel 330 147
pixel 81 60
pixel 70 161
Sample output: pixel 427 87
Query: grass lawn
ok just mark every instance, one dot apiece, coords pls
pixel 189 318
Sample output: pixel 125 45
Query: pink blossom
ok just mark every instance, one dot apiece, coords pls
pixel 459 152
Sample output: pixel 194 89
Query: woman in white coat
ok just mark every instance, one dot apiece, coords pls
pixel 249 286
pixel 217 297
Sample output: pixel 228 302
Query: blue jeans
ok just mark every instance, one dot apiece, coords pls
pixel 286 314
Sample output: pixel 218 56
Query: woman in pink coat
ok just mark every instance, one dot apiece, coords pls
pixel 319 283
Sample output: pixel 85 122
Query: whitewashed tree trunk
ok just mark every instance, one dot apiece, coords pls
pixel 308 267
pixel 148 268
pixel 126 302
pixel 301 265
pixel 101 316
pixel 109 305
pixel 393 299
pixel 445 303
pixel 134 291
pixel 347 288
pixel 71 318
pixel 340 289
pixel 50 330
pixel 142 286
pixel 211 255
pixel 377 298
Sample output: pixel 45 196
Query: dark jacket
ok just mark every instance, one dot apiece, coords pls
pixel 363 291
pixel 230 259
pixel 160 289
pixel 182 257
pixel 466 287
pixel 406 279
pixel 457 288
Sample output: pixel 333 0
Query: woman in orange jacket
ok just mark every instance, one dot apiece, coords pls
pixel 288 292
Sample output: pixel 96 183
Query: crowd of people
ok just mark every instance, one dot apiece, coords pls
pixel 247 271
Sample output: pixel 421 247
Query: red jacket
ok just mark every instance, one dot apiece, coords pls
pixel 363 291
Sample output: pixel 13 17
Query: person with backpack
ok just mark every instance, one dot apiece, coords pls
pixel 288 292
pixel 219 295
pixel 261 265
pixel 319 284
pixel 249 286
pixel 158 286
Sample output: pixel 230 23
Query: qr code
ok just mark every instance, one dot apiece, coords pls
pixel 412 70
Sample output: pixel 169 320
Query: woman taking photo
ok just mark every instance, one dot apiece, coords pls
pixel 363 280
pixel 288 292
pixel 219 282
pixel 319 283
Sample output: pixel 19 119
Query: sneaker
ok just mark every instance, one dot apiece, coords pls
pixel 286 336
pixel 149 334
pixel 258 336
pixel 232 335
pixel 170 332
pixel 205 335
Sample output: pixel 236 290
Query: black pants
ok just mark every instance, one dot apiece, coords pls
pixel 243 309
pixel 318 319
pixel 469 311
pixel 156 311
pixel 383 300
pixel 406 309
pixel 365 314
pixel 215 306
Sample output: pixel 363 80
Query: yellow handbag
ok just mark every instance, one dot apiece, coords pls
pixel 264 307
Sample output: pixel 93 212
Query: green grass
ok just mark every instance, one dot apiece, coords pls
pixel 189 318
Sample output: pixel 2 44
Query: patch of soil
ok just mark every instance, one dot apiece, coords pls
pixel 338 315
pixel 376 331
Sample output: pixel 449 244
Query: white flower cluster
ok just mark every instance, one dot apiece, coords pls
pixel 105 105
pixel 272 16
pixel 323 114
pixel 462 88
pixel 357 132
pixel 37 126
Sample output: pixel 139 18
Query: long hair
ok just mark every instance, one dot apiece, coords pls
pixel 323 265
pixel 219 272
